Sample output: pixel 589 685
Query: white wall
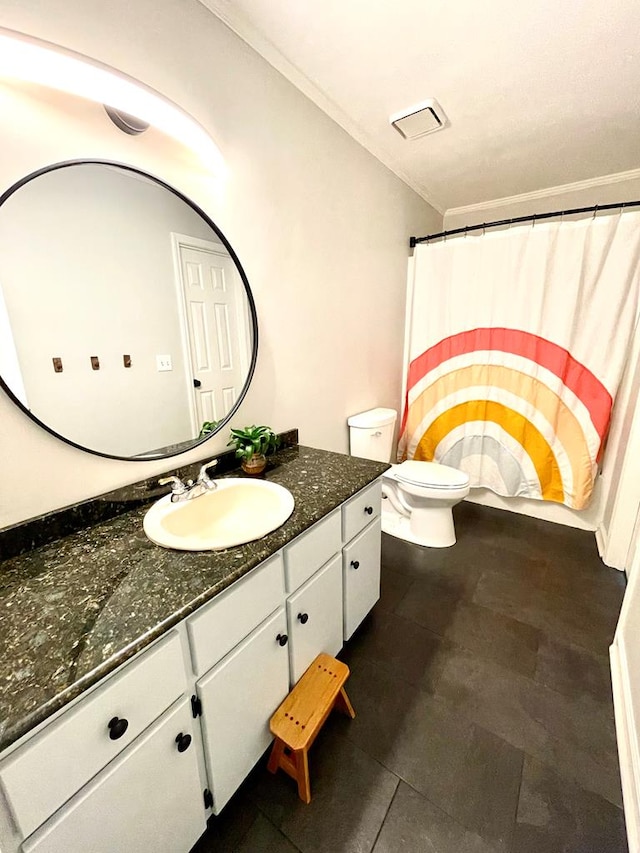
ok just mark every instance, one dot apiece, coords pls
pixel 598 516
pixel 320 226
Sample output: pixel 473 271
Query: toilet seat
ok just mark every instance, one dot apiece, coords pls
pixel 431 475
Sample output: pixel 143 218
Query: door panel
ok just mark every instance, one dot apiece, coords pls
pixel 320 600
pixel 361 584
pixel 214 300
pixel 239 696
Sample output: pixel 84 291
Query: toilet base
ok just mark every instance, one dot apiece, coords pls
pixel 431 528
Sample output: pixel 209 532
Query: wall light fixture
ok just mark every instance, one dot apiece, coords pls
pixel 31 60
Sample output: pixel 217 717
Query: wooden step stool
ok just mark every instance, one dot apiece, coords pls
pixel 299 719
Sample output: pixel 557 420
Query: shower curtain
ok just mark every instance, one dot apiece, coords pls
pixel 517 343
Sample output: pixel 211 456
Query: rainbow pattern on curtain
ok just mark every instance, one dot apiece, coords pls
pixel 513 404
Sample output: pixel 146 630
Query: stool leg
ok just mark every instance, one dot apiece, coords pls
pixel 276 755
pixel 304 784
pixel 343 704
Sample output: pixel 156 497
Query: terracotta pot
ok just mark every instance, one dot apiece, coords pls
pixel 255 465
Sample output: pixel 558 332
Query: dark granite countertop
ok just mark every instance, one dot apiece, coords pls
pixel 73 610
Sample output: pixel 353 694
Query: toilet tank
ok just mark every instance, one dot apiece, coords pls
pixel 371 434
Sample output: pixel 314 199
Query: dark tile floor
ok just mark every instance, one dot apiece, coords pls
pixel 484 716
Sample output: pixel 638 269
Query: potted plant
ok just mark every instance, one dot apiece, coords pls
pixel 207 428
pixel 252 444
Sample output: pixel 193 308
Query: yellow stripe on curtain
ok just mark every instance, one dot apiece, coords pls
pixel 512 422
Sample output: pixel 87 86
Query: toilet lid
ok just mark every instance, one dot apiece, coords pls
pixel 431 474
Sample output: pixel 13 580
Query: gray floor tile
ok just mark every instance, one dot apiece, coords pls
pixel 414 825
pixel 350 795
pixel 531 537
pixel 454 569
pixel 557 815
pixel 393 586
pixel 573 671
pixel 468 772
pixel 397 644
pixel 575 735
pixel 603 588
pixel 263 837
pixel 569 620
pixel 509 642
pixel 433 607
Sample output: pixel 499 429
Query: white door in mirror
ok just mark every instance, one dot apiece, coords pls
pixel 237 511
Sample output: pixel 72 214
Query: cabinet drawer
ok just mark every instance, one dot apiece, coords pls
pixel 44 773
pixel 220 625
pixel 360 510
pixel 311 550
pixel 314 616
pixel 149 799
pixel 361 567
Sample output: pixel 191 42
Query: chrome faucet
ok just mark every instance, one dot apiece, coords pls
pixel 181 491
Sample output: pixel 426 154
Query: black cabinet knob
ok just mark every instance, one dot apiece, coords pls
pixel 184 742
pixel 282 639
pixel 355 564
pixel 303 617
pixel 117 727
pixel 369 510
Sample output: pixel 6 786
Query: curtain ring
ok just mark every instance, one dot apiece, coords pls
pixel 595 211
pixel 466 231
pixel 533 224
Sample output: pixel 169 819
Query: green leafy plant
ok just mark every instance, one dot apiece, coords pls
pixel 253 440
pixel 207 427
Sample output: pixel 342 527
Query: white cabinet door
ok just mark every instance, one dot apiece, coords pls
pixel 361 566
pixel 149 798
pixel 238 697
pixel 314 614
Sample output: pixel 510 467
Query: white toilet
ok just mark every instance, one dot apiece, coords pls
pixel 417 497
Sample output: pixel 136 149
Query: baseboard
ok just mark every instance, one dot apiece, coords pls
pixel 627 738
pixel 544 510
pixel 601 542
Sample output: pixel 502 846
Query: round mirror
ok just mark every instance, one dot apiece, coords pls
pixel 127 325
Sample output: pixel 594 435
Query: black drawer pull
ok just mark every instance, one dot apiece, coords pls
pixel 184 742
pixel 303 617
pixel 355 564
pixel 282 639
pixel 369 510
pixel 117 727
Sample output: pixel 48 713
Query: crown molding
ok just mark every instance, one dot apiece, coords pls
pixel 238 23
pixel 549 192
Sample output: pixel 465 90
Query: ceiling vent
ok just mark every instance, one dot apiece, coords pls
pixel 426 117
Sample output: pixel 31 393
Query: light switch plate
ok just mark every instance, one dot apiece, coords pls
pixel 163 362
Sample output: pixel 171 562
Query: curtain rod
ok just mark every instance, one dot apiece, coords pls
pixel 413 241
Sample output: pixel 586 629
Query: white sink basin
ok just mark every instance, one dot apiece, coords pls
pixel 236 511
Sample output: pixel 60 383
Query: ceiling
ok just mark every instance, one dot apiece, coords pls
pixel 538 94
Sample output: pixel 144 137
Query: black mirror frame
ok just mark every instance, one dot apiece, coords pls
pixel 252 309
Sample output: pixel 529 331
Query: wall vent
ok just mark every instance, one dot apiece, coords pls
pixel 419 120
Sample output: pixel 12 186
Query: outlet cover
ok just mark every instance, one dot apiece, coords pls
pixel 163 362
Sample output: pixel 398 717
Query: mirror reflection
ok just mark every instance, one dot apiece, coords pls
pixel 126 321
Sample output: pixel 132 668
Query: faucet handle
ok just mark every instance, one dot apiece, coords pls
pixel 203 477
pixel 177 486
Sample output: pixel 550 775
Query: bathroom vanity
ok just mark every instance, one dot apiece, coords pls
pixel 139 682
